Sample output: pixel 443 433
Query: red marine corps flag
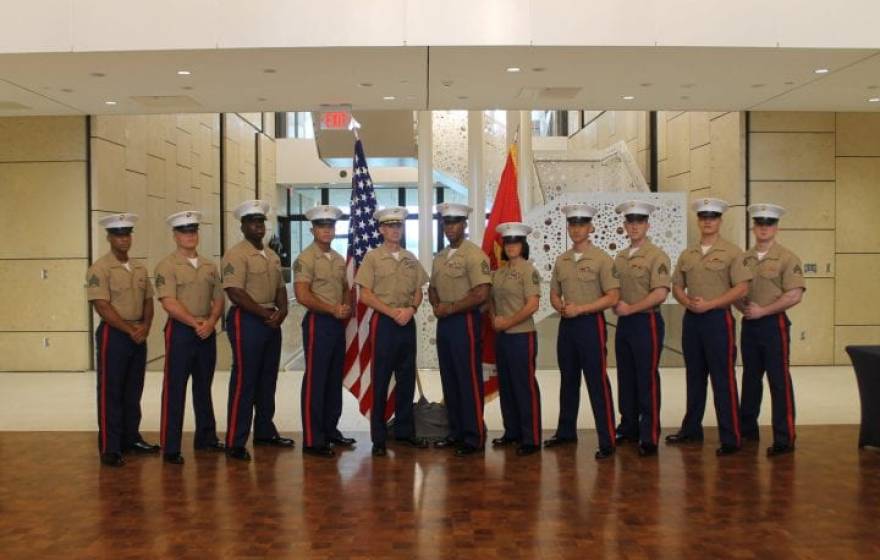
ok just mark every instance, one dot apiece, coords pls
pixel 504 209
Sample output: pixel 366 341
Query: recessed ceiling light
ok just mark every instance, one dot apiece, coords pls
pixel 269 70
pixel 872 87
pixel 261 99
pixel 756 86
pixel 646 84
pixel 67 90
pixel 685 97
pixel 513 69
pixel 97 74
pixel 187 88
pixel 183 73
pixel 462 97
pixel 365 84
pixel 538 69
pixel 629 97
pixel 874 100
pixel 389 98
pixel 821 71
pixel 109 103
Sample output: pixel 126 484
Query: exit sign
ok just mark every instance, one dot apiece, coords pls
pixel 335 120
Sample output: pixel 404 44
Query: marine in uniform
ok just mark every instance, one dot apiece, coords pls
pixel 252 280
pixel 391 280
pixel 120 292
pixel 189 288
pixel 778 285
pixel 709 277
pixel 460 281
pixel 582 287
pixel 320 286
pixel 644 271
pixel 516 289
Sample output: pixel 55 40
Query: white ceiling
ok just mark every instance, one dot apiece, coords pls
pixel 660 78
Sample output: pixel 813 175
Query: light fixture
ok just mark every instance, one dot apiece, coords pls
pixel 365 84
pixel 820 71
pixel 97 74
pixel 389 98
pixel 513 69
pixel 269 70
pixel 629 97
pixel 183 72
pixel 874 100
pixel 108 102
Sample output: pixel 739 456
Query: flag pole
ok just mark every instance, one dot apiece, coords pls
pixel 354 126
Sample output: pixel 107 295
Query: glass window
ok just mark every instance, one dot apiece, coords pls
pixel 299 125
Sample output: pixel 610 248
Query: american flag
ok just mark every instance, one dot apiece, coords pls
pixel 363 235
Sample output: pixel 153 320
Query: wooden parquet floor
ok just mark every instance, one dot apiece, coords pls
pixel 823 502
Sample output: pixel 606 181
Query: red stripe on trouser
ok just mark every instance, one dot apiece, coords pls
pixel 536 411
pixel 786 375
pixel 166 382
pixel 478 415
pixel 374 328
pixel 731 375
pixel 239 380
pixel 310 356
pixel 655 421
pixel 606 390
pixel 105 337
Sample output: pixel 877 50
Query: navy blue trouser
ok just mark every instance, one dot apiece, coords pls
pixel 324 347
pixel 256 354
pixel 120 367
pixel 520 396
pixel 708 341
pixel 765 348
pixel 394 353
pixel 638 344
pixel 187 355
pixel 460 353
pixel 581 347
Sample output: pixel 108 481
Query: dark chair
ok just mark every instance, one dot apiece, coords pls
pixel 866 361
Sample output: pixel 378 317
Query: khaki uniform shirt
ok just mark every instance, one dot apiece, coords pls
pixel 246 268
pixel 325 276
pixel 646 270
pixel 711 275
pixel 126 291
pixel 512 285
pixel 393 281
pixel 586 280
pixel 454 276
pixel 195 288
pixel 778 272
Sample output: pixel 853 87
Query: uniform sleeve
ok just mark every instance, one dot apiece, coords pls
pixel 660 277
pixel 234 270
pixel 166 280
pixel 678 277
pixel 739 272
pixel 608 278
pixel 532 283
pixel 218 288
pixel 478 269
pixel 555 284
pixel 303 269
pixel 366 274
pixel 792 274
pixel 433 279
pixel 97 283
pixel 148 291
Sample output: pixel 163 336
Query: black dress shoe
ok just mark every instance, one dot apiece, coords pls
pixel 417 442
pixel 683 438
pixel 343 441
pixel 604 452
pixel 239 453
pixel 527 449
pixel 275 441
pixel 379 450
pixel 556 440
pixel 447 443
pixel 647 449
pixel 466 450
pixel 215 446
pixel 726 450
pixel 502 441
pixel 779 449
pixel 320 451
pixel 623 438
pixel 173 458
pixel 112 459
pixel 143 448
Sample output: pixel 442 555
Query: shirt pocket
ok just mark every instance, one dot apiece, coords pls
pixel 716 265
pixel 769 271
pixel 454 269
pixel 120 281
pixel 638 271
pixel 587 273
